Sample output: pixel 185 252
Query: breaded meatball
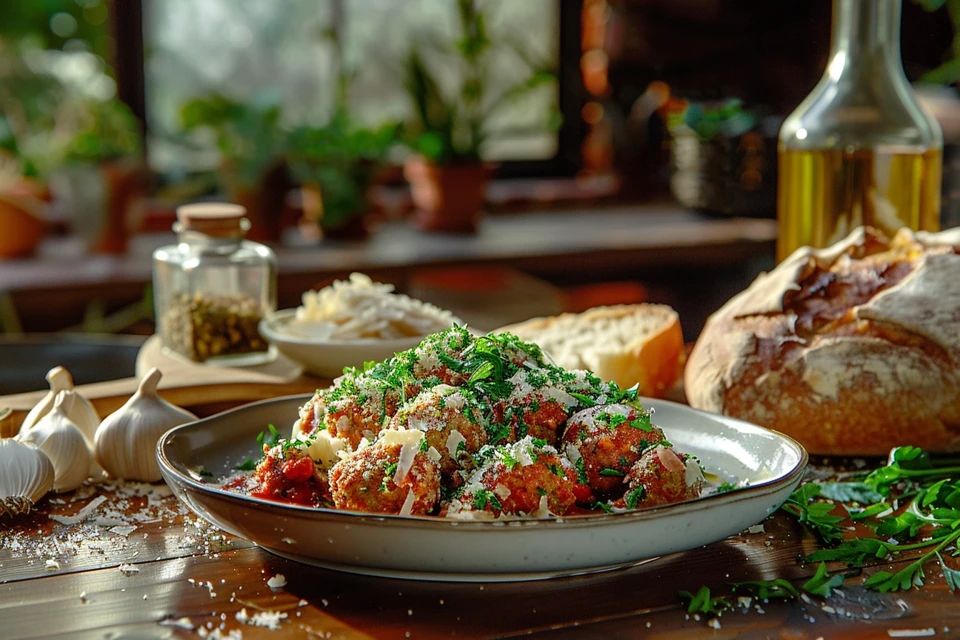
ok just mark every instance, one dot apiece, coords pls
pixel 526 478
pixel 359 406
pixel 395 474
pixel 662 476
pixel 312 416
pixel 452 422
pixel 287 474
pixel 604 443
pixel 537 406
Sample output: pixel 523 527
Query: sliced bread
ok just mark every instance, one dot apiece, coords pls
pixel 628 344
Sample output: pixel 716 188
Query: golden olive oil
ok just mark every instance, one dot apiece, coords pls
pixel 823 194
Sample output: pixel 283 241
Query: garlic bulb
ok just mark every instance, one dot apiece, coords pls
pixel 63 442
pixel 81 412
pixel 26 474
pixel 126 440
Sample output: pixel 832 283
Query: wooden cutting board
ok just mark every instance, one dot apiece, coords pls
pixel 200 388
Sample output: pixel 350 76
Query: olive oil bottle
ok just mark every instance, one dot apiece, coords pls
pixel 858 150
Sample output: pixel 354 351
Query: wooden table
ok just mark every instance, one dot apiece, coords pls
pixel 176 576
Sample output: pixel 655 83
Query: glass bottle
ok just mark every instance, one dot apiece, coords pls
pixel 859 149
pixel 212 288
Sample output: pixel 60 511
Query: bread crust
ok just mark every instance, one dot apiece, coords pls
pixel 653 360
pixel 851 350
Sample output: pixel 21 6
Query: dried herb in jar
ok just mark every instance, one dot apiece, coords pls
pixel 203 326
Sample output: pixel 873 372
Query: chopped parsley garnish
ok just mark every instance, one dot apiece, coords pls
pixel 204 473
pixel 541 491
pixel 581 472
pixel 508 460
pixel 608 471
pixel 613 419
pixel 603 506
pixel 584 400
pixel 726 487
pixel 271 438
pixel 483 497
pixel 701 602
pixel 635 497
pixel 246 465
pixel 642 422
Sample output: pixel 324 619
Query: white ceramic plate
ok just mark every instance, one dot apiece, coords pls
pixel 327 357
pixel 431 548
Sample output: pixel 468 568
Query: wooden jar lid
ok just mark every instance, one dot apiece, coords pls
pixel 214 219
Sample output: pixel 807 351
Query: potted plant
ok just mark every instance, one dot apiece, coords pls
pixel 86 148
pixel 335 165
pixel 447 133
pixel 251 146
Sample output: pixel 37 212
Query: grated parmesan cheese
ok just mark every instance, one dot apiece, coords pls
pixel 407 507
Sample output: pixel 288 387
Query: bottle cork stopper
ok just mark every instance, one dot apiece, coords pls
pixel 216 219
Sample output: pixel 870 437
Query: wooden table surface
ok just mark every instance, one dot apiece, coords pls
pixel 157 571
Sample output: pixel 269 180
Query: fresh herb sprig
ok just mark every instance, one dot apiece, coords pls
pixel 816 516
pixel 927 520
pixel 701 602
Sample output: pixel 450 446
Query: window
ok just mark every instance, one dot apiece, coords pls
pixel 291 51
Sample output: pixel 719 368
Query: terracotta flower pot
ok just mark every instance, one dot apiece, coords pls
pixel 21 225
pixel 263 200
pixel 449 198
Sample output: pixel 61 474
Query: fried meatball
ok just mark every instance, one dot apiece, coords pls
pixel 526 478
pixel 359 406
pixel 287 474
pixel 312 416
pixel 452 422
pixel 537 406
pixel 604 443
pixel 662 476
pixel 395 474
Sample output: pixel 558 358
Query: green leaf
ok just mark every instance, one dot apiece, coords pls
pixel 951 576
pixel 607 471
pixel 246 465
pixel 869 512
pixel 768 589
pixel 900 526
pixel 633 497
pixel 701 602
pixel 903 580
pixel 849 492
pixel 853 552
pixel 822 583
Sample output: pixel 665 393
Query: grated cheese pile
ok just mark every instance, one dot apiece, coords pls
pixel 360 309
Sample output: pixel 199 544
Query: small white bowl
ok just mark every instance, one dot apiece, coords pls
pixel 327 358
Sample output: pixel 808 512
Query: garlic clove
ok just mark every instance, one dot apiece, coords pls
pixel 81 412
pixel 126 440
pixel 63 442
pixel 26 474
pixel 77 408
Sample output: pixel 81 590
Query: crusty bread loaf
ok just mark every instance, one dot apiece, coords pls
pixel 628 344
pixel 852 349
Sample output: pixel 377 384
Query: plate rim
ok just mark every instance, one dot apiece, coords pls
pixel 765 487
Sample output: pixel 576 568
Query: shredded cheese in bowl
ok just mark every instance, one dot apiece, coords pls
pixel 360 309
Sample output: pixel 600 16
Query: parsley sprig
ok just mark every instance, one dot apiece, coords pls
pixel 701 602
pixel 816 516
pixel 928 520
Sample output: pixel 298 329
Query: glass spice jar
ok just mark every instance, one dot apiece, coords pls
pixel 213 287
